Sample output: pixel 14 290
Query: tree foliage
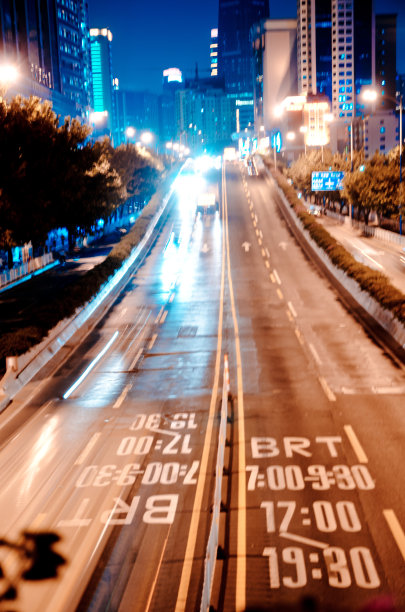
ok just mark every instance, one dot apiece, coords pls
pixel 52 175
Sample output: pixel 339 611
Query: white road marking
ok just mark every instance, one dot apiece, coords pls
pixel 299 336
pixel 163 319
pixel 92 442
pixel 260 241
pixel 268 253
pixel 273 278
pixel 124 310
pixel 171 298
pixel 276 276
pixel 135 361
pixel 263 251
pixel 298 538
pixel 122 396
pixel 152 342
pixel 257 231
pixel 267 263
pixel 159 315
pixel 279 293
pixel 292 309
pixel 315 354
pixel 289 315
pixel 354 441
pixel 328 391
pixel 396 530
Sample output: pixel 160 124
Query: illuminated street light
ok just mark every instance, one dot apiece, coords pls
pixel 130 132
pixel 98 117
pixel 146 138
pixel 8 75
pixel 370 95
pixel 290 136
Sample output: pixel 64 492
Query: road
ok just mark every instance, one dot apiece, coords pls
pixel 121 463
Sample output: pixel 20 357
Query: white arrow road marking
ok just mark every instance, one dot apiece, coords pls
pixel 246 246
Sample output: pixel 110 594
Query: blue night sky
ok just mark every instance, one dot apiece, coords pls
pixel 149 36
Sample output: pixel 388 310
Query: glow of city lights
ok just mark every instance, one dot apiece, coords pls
pixel 98 117
pixel 8 74
pixel 146 137
pixel 290 136
pixel 369 95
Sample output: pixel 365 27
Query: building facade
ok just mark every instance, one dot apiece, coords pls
pixel 103 98
pixel 386 60
pixel 234 52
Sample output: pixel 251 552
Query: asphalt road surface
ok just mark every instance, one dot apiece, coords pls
pixel 121 463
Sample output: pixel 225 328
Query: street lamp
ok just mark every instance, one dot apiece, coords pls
pixel 370 95
pixel 130 132
pixel 8 75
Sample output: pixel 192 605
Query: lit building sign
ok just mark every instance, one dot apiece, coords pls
pixel 327 181
pixel 103 32
pixel 316 115
pixel 173 75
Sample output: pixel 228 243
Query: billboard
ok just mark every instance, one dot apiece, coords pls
pixel 327 181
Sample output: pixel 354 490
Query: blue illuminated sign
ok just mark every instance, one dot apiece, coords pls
pixel 327 181
pixel 276 141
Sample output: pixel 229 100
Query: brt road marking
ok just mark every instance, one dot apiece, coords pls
pixel 354 441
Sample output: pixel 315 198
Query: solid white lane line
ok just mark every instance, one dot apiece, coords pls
pixel 357 447
pixel 292 309
pixel 328 391
pixel 396 530
pixel 315 354
pixel 83 455
pixel 123 395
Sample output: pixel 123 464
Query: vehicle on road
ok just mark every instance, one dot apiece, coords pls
pixel 315 210
pixel 207 203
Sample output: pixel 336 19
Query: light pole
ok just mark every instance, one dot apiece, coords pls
pixel 370 95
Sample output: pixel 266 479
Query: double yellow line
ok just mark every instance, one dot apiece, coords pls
pixel 240 593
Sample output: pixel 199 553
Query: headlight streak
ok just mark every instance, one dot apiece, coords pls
pixel 90 366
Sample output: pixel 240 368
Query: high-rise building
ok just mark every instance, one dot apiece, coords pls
pixel 103 100
pixel 386 60
pixel 234 53
pixel 74 53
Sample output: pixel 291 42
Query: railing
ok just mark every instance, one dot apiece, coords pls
pixel 368 230
pixel 30 267
pixel 212 545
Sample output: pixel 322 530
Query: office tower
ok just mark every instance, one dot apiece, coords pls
pixel 214 52
pixel 235 55
pixel 386 60
pixel 103 101
pixel 74 53
pixel 275 64
pixel 314 46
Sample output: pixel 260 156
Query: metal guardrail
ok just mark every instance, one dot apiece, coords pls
pixel 368 230
pixel 212 544
pixel 14 274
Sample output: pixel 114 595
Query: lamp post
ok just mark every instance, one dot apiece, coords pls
pixel 370 95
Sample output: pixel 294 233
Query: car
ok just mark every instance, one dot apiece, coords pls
pixel 315 210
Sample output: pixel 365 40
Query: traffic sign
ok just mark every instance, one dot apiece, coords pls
pixel 327 181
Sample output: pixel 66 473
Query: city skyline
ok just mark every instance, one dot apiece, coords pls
pixel 150 37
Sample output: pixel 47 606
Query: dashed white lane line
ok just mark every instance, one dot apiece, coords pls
pixel 289 316
pixel 152 341
pixel 357 447
pixel 92 442
pixel 396 530
pixel 328 391
pixel 122 396
pixel 263 252
pixel 163 318
pixel 315 354
pixel 159 315
pixel 268 253
pixel 299 336
pixel 276 276
pixel 292 310
pixel 267 263
pixel 137 357
pixel 260 241
pixel 280 295
pixel 257 231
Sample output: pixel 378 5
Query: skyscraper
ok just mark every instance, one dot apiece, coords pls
pixel 74 53
pixel 235 63
pixel 386 59
pixel 102 85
